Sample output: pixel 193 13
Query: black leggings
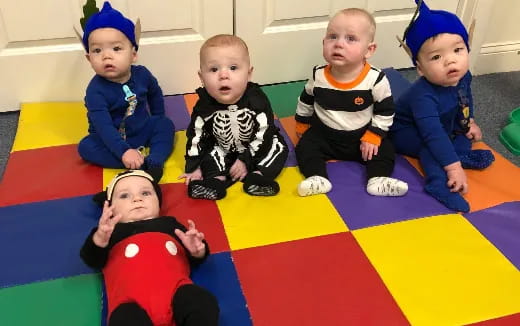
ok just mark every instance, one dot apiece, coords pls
pixel 191 306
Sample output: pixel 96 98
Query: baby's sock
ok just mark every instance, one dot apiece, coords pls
pixel 386 186
pixel 211 189
pixel 153 169
pixel 476 159
pixel 452 200
pixel 259 185
pixel 314 185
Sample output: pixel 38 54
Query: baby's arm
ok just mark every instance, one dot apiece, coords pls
pixel 457 181
pixel 368 150
pixel 305 108
pixel 474 131
pixel 155 96
pixel 94 251
pixel 195 175
pixel 193 240
pixel 106 226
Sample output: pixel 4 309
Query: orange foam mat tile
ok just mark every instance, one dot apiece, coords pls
pixel 190 100
pixel 489 187
pixel 325 280
pixel 48 173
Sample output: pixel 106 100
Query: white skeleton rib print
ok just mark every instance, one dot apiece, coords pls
pixel 233 128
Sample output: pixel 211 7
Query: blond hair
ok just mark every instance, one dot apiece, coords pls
pixel 361 12
pixel 222 40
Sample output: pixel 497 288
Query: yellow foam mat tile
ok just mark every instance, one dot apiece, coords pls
pixel 173 167
pixel 442 271
pixel 252 221
pixel 50 124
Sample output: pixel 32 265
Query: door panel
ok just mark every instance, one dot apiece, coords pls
pixel 284 36
pixel 42 60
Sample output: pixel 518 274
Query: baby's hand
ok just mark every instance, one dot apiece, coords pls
pixel 192 240
pixel 474 131
pixel 457 181
pixel 238 170
pixel 368 150
pixel 132 159
pixel 195 175
pixel 106 225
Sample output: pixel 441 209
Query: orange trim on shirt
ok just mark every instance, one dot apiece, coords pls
pixel 349 85
pixel 371 138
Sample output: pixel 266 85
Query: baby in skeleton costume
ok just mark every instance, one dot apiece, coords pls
pixel 231 136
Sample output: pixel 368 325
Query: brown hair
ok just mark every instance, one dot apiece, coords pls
pixel 361 12
pixel 221 40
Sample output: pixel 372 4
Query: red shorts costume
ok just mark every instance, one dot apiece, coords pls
pixel 146 268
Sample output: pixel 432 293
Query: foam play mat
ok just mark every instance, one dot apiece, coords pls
pixel 344 258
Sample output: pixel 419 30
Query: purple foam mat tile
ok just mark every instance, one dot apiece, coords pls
pixel 500 225
pixel 291 159
pixel 175 109
pixel 360 210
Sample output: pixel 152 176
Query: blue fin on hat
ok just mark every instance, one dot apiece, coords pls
pixel 430 23
pixel 109 18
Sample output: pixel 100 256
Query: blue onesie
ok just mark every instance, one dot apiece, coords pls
pixel 120 120
pixel 430 123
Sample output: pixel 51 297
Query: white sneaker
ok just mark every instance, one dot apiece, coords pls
pixel 313 186
pixel 386 186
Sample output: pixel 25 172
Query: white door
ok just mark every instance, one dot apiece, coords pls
pixel 284 36
pixel 41 59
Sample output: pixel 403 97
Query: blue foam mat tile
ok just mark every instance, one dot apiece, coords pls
pixel 42 240
pixel 219 276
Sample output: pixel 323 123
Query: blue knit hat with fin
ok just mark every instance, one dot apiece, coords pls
pixel 109 18
pixel 430 23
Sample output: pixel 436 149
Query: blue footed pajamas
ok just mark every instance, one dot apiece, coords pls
pixel 430 123
pixel 113 128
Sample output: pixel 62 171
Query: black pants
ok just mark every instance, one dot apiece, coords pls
pixel 216 162
pixel 318 145
pixel 191 305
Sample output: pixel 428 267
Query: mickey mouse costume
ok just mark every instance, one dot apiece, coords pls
pixel 146 270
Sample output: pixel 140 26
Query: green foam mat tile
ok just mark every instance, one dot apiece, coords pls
pixel 61 302
pixel 284 97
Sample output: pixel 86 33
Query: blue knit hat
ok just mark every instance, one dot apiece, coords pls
pixel 109 17
pixel 431 23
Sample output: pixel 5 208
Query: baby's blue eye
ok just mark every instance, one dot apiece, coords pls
pixel 332 36
pixel 351 38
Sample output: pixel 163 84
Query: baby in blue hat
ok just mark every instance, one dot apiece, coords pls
pixel 120 125
pixel 434 119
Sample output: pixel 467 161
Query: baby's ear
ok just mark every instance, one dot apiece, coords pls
pixel 100 198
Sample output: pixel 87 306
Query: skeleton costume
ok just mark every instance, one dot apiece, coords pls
pixel 219 134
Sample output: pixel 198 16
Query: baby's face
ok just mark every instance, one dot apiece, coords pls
pixel 443 60
pixel 111 54
pixel 225 72
pixel 348 41
pixel 135 199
